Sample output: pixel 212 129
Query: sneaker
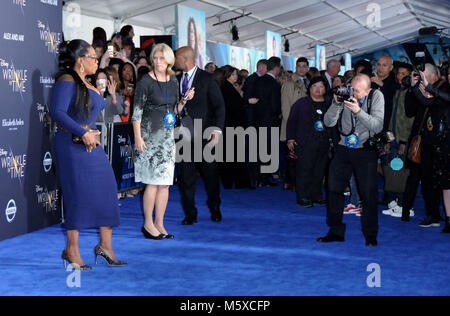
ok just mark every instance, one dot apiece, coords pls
pixel 349 209
pixel 430 222
pixel 391 206
pixel 397 211
pixel 357 212
pixel 411 213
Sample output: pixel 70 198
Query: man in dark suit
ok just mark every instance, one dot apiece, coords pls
pixel 249 98
pixel 268 109
pixel 249 88
pixel 333 69
pixel 207 105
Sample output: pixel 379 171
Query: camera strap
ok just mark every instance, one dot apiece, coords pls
pixel 369 107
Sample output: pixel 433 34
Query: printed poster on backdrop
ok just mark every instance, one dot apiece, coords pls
pixel 321 61
pixel 273 44
pixel 122 156
pixel 191 31
pixel 30 196
pixel 348 62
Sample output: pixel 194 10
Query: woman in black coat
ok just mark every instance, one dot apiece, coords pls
pixel 235 116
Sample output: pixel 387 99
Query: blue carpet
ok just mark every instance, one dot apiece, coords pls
pixel 265 246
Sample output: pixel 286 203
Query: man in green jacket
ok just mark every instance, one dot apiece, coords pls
pixel 400 125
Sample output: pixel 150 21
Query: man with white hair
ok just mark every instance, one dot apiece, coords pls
pixel 358 119
pixel 333 69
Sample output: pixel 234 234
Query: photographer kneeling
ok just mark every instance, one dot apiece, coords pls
pixel 359 118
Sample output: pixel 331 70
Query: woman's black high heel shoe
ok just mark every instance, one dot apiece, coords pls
pixel 65 257
pixel 147 235
pixel 102 253
pixel 168 236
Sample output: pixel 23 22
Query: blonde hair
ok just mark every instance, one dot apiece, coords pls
pixel 168 56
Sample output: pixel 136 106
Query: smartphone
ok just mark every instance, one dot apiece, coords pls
pixel 111 51
pixel 130 86
pixel 102 85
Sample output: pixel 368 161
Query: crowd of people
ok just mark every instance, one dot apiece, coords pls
pixel 337 133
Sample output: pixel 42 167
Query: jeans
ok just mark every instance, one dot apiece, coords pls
pixel 354 196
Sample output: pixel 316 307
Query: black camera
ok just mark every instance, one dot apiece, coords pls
pixel 406 81
pixel 344 93
pixel 420 58
pixel 378 141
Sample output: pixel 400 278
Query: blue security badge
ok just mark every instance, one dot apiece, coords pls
pixel 352 141
pixel 319 126
pixel 170 120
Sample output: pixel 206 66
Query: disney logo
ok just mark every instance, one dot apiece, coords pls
pixel 3 63
pixel 121 139
pixel 39 189
pixel 40 107
pixel 3 152
pixel 41 25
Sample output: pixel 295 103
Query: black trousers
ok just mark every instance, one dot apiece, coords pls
pixel 364 165
pixel 310 170
pixel 423 173
pixel 188 181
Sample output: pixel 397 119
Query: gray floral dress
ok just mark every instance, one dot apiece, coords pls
pixel 156 164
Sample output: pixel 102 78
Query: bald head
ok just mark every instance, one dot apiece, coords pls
pixel 185 58
pixel 361 84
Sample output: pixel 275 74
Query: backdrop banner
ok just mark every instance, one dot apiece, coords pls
pixel 191 31
pixel 122 156
pixel 29 193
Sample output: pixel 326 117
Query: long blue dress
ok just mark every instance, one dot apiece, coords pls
pixel 87 179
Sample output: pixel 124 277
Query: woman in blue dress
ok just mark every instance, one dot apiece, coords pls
pixel 85 174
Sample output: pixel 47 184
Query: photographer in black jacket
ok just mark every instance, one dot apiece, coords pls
pixel 433 93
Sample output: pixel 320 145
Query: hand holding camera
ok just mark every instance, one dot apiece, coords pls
pixel 352 105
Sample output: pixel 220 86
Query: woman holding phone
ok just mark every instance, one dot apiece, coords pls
pixel 86 177
pixel 156 104
pixel 115 105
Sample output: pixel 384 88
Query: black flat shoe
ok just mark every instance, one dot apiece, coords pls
pixel 305 203
pixel 320 203
pixel 188 221
pixel 98 251
pixel 168 236
pixel 65 258
pixel 331 238
pixel 216 215
pixel 371 243
pixel 147 235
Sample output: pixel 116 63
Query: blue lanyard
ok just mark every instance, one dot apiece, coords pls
pixel 166 95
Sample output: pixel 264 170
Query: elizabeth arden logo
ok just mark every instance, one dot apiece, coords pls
pixel 50 2
pixel 12 124
pixel 51 39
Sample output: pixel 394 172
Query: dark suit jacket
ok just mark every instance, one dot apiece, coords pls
pixel 249 86
pixel 268 109
pixel 389 87
pixel 329 88
pixel 235 109
pixel 208 103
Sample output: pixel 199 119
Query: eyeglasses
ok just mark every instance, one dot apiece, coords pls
pixel 91 57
